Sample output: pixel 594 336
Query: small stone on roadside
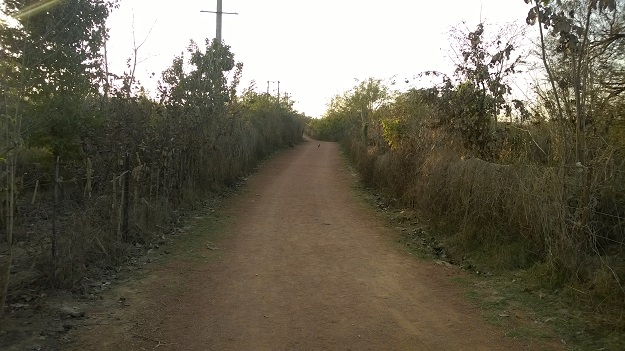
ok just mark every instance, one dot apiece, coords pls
pixel 18 306
pixel 71 312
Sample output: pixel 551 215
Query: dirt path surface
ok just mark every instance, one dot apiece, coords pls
pixel 303 264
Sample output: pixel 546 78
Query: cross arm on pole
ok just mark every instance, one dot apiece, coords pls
pixel 225 13
pixel 219 13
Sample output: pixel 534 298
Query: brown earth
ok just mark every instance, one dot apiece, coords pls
pixel 300 262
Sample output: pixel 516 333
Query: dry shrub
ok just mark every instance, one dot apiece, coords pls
pixel 362 157
pixel 524 202
pixel 518 214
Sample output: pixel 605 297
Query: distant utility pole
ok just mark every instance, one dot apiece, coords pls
pixel 274 81
pixel 219 12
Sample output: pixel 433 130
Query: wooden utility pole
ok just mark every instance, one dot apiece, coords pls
pixel 219 14
pixel 274 81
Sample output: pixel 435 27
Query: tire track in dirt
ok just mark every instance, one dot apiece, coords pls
pixel 305 265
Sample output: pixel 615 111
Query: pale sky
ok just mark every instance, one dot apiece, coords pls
pixel 314 48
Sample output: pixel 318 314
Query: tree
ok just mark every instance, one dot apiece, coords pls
pixel 10 100
pixel 59 49
pixel 585 62
pixel 479 91
pixel 354 110
pixel 50 61
pixel 367 97
pixel 202 88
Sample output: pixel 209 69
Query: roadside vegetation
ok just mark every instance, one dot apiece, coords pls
pixel 532 186
pixel 92 166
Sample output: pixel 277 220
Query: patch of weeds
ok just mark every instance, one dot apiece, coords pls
pixel 486 248
pixel 200 235
pixel 584 319
pixel 513 281
pixel 504 305
pixel 531 311
pixel 507 280
pixel 415 234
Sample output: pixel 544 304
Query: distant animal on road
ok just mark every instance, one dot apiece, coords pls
pixel 318 145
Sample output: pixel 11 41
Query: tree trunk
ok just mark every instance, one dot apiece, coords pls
pixel 6 253
pixel 5 269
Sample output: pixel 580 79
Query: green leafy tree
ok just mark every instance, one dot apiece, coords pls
pixel 355 111
pixel 410 117
pixel 202 88
pixel 59 50
pixel 484 68
pixel 50 60
pixel 479 92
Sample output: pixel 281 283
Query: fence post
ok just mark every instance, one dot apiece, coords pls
pixel 55 209
pixel 126 197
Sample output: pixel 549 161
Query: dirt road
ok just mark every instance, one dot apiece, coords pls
pixel 303 264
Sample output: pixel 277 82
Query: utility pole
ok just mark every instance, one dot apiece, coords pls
pixel 274 81
pixel 219 13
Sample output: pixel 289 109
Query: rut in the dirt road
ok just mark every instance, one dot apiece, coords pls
pixel 304 265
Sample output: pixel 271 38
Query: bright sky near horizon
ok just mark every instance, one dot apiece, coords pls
pixel 316 49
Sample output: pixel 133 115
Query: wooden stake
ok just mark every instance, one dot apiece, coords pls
pixel 35 192
pixel 89 171
pixel 126 197
pixel 55 208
